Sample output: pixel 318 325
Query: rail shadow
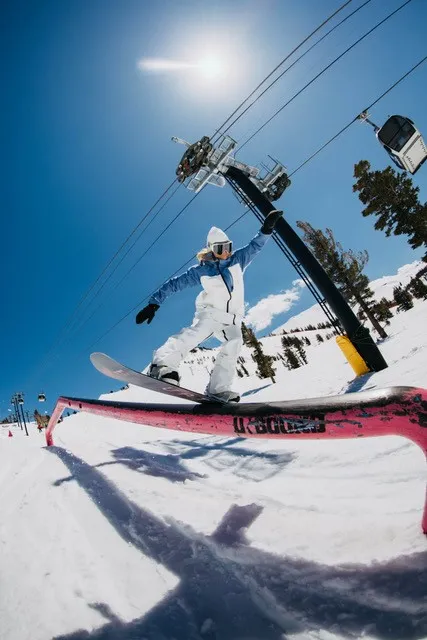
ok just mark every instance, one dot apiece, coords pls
pixel 247 593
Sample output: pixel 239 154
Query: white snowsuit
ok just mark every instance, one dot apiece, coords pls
pixel 219 310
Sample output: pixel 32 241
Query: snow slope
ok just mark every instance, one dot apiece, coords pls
pixel 382 288
pixel 125 532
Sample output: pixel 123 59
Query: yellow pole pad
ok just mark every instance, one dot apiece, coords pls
pixel 352 356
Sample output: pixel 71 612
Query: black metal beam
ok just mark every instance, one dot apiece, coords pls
pixel 358 334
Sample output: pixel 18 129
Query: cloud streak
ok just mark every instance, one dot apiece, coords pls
pixel 163 64
pixel 261 315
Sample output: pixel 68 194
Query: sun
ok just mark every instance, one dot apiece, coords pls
pixel 210 67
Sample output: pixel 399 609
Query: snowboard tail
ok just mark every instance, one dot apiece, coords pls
pixel 114 369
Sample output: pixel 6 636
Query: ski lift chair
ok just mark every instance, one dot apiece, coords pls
pixel 403 143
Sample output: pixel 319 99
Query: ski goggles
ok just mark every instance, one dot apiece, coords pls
pixel 220 247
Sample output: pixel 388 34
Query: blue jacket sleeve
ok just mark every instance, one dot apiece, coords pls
pixel 245 255
pixel 188 279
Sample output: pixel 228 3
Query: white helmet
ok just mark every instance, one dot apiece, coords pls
pixel 216 235
pixel 218 241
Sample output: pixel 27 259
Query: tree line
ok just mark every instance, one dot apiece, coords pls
pixel 394 200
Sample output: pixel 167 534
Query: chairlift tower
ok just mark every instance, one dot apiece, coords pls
pixel 203 164
pixel 17 401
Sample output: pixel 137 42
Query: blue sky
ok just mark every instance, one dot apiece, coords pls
pixel 87 152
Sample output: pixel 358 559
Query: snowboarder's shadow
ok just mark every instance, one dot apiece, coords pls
pixel 225 455
pixel 153 464
pixel 250 593
pixel 158 465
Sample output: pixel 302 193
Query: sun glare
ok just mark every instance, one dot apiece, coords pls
pixel 210 67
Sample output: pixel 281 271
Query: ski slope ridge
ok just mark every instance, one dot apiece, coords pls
pixel 381 288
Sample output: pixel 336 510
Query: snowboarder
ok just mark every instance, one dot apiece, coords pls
pixel 219 308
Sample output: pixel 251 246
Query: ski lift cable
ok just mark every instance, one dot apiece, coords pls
pixel 218 130
pixel 147 250
pixel 347 126
pixel 253 92
pixel 311 81
pixel 118 283
pixel 267 122
pixel 290 66
pixel 185 264
pixel 365 35
pixel 63 332
pixel 297 169
pixel 147 297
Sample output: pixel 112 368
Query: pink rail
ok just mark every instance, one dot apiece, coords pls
pixel 398 411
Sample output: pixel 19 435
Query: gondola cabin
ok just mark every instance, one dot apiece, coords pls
pixel 403 143
pixel 42 397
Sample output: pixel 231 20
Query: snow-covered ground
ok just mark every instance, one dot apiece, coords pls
pixel 381 288
pixel 129 532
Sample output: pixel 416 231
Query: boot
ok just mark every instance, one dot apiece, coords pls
pixel 165 374
pixel 226 396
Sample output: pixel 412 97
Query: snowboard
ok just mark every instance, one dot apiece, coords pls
pixel 113 369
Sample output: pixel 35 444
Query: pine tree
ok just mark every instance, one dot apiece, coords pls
pixel 393 199
pixel 319 338
pixel 418 288
pixel 241 362
pixel 301 351
pixel 403 299
pixel 265 367
pixel 382 311
pixel 265 363
pixel 345 268
pixel 249 338
pixel 291 359
pixel 286 341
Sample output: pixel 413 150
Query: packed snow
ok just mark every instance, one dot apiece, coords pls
pixel 128 532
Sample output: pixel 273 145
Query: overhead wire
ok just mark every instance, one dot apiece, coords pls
pixel 152 219
pixel 318 75
pixel 62 336
pixel 70 322
pixel 145 253
pixel 248 97
pixel 271 84
pixel 241 216
pixel 347 126
pixel 147 250
pixel 218 130
pixel 147 297
pixel 293 63
pixel 228 119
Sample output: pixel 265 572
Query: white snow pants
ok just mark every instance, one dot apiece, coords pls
pixel 177 347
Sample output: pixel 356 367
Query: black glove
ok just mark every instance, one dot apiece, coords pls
pixel 147 313
pixel 270 221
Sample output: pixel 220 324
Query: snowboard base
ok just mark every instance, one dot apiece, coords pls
pixel 114 369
